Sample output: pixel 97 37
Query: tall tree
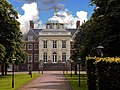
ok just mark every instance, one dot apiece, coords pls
pixel 106 18
pixel 10 34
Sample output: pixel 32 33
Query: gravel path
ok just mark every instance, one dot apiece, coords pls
pixel 50 80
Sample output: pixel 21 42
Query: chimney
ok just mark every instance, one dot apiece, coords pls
pixel 78 25
pixel 31 25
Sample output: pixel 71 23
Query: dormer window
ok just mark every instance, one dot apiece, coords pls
pixel 30 38
pixel 54 25
pixel 61 26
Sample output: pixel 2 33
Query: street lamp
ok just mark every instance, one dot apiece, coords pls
pixel 67 66
pixel 41 64
pixel 71 67
pixel 79 61
pixel 13 61
pixel 39 67
pixel 99 50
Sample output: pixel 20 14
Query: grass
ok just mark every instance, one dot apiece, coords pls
pixel 20 79
pixel 74 81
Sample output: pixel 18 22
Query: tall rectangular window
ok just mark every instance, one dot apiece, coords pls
pixel 36 57
pixel 54 44
pixel 30 38
pixel 63 44
pixel 30 57
pixel 45 57
pixel 36 46
pixel 30 47
pixel 44 44
pixel 63 57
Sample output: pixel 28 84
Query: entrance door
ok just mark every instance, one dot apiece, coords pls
pixel 54 57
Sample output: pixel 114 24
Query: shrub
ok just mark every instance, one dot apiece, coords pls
pixel 103 73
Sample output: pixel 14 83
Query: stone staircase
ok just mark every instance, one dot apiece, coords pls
pixel 54 66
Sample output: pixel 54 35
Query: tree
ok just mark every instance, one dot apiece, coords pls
pixel 106 23
pixel 10 34
pixel 101 29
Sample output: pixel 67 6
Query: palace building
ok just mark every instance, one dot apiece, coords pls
pixel 51 47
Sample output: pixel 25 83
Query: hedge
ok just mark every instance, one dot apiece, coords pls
pixel 103 73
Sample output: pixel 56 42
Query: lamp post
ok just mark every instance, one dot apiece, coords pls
pixel 39 67
pixel 71 67
pixel 79 61
pixel 99 50
pixel 13 61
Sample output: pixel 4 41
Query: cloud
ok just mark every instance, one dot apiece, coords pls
pixel 71 20
pixel 46 4
pixel 81 15
pixel 30 13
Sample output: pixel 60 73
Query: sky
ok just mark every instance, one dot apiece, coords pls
pixel 40 11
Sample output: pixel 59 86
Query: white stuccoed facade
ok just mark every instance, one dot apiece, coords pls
pixel 51 35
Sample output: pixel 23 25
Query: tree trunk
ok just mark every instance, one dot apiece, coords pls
pixel 75 69
pixel 6 66
pixel 2 69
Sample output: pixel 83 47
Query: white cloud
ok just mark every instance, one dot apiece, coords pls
pixel 30 13
pixel 71 20
pixel 81 15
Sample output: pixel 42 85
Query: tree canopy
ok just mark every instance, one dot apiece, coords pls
pixel 10 34
pixel 103 28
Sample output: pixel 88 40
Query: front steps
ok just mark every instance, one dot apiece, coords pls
pixel 54 66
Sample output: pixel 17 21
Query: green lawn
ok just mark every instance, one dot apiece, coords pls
pixel 74 81
pixel 20 79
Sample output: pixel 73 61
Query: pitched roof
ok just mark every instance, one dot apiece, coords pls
pixel 72 31
pixel 36 32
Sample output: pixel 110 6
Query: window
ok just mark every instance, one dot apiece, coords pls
pixel 48 26
pixel 30 38
pixel 36 47
pixel 45 57
pixel 54 25
pixel 63 44
pixel 63 57
pixel 54 57
pixel 54 44
pixel 44 44
pixel 24 46
pixel 30 57
pixel 36 57
pixel 61 26
pixel 30 46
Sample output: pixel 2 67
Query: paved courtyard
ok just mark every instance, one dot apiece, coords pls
pixel 50 80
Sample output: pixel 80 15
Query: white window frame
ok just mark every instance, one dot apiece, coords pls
pixel 55 44
pixel 29 46
pixel 30 57
pixel 44 44
pixel 36 46
pixel 36 56
pixel 30 38
pixel 54 57
pixel 45 57
pixel 63 57
pixel 63 44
